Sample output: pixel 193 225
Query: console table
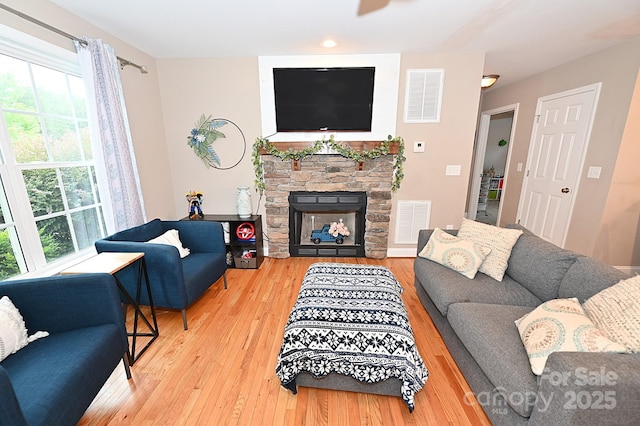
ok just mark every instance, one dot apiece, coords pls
pixel 112 263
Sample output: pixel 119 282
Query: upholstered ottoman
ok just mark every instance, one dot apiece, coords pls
pixel 349 330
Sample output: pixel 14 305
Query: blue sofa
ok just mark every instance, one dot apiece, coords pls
pixel 175 282
pixel 53 380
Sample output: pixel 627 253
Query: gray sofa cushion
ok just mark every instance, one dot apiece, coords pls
pixel 446 286
pixel 588 276
pixel 539 265
pixel 491 337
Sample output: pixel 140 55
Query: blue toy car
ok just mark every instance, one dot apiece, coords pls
pixel 320 235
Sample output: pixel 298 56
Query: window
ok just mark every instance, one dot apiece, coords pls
pixel 50 208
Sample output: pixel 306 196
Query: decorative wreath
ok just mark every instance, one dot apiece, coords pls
pixel 206 131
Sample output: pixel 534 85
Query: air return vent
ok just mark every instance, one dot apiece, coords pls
pixel 423 95
pixel 411 217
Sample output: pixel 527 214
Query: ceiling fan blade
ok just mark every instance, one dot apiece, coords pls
pixel 368 6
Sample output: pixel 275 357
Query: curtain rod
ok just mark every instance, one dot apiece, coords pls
pixel 123 62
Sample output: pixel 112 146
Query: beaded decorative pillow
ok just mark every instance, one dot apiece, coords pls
pixel 461 255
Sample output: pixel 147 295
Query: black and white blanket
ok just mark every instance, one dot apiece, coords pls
pixel 350 319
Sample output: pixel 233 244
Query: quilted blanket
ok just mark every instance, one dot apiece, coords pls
pixel 350 319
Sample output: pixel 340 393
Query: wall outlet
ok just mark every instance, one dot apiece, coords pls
pixel 418 146
pixel 449 227
pixel 453 170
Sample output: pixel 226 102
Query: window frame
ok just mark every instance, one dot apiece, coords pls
pixel 36 51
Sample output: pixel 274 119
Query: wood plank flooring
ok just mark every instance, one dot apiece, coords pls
pixel 222 370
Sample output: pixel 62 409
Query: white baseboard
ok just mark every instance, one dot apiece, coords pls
pixel 401 252
pixel 629 270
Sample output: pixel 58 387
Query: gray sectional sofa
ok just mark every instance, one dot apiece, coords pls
pixel 476 320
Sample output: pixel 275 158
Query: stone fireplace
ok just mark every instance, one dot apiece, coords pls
pixel 323 173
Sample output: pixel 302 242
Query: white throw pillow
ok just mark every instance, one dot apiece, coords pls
pixel 461 255
pixel 616 311
pixel 560 325
pixel 171 238
pixel 13 333
pixel 499 240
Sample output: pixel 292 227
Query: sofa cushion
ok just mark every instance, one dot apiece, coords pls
pixel 560 325
pixel 455 253
pixel 586 277
pixel 446 286
pixel 200 271
pixel 489 334
pixel 616 311
pixel 140 233
pixel 499 240
pixel 539 265
pixel 55 379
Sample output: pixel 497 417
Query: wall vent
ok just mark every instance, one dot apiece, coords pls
pixel 423 95
pixel 411 217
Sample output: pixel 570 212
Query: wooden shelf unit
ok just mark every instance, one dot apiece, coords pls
pixel 237 247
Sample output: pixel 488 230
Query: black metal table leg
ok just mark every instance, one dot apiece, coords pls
pixel 138 314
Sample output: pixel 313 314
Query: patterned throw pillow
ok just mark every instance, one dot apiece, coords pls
pixel 560 325
pixel 616 311
pixel 499 240
pixel 461 255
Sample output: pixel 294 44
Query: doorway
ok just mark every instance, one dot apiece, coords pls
pixel 491 160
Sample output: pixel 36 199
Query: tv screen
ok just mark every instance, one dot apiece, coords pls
pixel 315 99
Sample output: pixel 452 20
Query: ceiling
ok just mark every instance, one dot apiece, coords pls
pixel 519 37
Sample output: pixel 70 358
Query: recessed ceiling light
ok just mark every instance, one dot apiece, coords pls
pixel 329 43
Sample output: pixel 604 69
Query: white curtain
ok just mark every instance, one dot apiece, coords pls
pixel 118 180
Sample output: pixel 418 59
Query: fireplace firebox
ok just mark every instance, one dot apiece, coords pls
pixel 311 215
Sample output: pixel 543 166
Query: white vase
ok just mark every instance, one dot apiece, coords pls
pixel 243 202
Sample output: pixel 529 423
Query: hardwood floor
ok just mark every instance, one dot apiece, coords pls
pixel 222 370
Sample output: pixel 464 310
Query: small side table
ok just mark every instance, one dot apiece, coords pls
pixel 112 263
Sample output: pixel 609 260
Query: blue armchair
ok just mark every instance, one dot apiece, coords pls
pixel 175 282
pixel 53 380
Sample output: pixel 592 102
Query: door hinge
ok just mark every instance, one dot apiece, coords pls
pixel 537 118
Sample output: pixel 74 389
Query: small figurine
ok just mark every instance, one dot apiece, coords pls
pixel 195 201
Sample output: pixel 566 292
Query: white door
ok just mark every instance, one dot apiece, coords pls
pixel 556 156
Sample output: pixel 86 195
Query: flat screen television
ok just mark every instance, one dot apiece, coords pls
pixel 317 99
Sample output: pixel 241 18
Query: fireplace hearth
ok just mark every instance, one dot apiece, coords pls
pixel 310 212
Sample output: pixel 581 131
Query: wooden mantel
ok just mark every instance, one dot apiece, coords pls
pixel 357 145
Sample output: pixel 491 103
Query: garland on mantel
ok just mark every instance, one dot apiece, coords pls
pixel 337 147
